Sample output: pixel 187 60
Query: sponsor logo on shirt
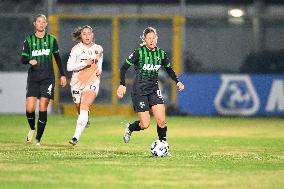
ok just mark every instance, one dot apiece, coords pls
pixel 151 67
pixel 40 52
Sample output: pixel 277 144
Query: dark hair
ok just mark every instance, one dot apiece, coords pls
pixel 145 32
pixel 39 15
pixel 76 34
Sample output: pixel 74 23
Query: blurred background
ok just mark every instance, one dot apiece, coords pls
pixel 228 53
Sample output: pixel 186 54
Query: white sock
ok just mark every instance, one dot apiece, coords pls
pixel 81 123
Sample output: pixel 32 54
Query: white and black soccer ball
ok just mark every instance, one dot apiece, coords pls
pixel 160 148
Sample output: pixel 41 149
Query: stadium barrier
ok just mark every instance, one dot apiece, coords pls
pixel 13 93
pixel 232 95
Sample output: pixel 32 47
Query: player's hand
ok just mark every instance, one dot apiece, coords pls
pixel 180 86
pixel 98 73
pixel 89 61
pixel 33 62
pixel 121 91
pixel 63 81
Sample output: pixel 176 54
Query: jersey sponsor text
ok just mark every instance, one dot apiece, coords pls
pixel 40 52
pixel 151 67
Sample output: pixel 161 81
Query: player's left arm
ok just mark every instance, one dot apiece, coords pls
pixel 100 62
pixel 168 67
pixel 57 57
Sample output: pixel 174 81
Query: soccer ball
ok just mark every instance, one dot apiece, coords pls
pixel 160 148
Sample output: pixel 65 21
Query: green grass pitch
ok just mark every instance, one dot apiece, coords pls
pixel 219 153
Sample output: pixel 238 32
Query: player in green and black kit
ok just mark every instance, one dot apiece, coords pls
pixel 146 95
pixel 37 51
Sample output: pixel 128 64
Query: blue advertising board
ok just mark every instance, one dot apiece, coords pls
pixel 232 94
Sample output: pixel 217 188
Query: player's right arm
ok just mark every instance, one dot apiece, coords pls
pixel 26 54
pixel 74 63
pixel 131 60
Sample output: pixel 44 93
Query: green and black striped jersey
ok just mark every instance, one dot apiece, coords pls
pixel 146 65
pixel 41 50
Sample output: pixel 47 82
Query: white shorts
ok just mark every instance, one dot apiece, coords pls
pixel 77 92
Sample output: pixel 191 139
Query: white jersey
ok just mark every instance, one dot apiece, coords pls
pixel 83 74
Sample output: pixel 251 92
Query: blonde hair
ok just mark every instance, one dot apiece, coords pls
pixel 145 32
pixel 40 15
pixel 76 34
pixel 35 19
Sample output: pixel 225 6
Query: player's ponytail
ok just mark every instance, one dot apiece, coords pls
pixel 76 34
pixel 145 32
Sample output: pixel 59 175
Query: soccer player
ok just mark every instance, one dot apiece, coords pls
pixel 37 52
pixel 146 94
pixel 85 61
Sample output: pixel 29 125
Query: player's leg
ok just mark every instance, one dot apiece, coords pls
pixel 30 114
pixel 88 96
pixel 46 93
pixel 76 94
pixel 77 105
pixel 159 114
pixel 158 109
pixel 31 99
pixel 144 118
pixel 141 106
pixel 42 118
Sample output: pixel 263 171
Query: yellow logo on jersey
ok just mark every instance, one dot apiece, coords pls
pixel 40 52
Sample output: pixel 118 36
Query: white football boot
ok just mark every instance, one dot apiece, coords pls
pixel 127 133
pixel 73 141
pixel 38 143
pixel 30 135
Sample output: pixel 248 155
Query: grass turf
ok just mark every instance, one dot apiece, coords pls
pixel 208 153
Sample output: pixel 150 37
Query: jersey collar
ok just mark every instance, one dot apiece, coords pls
pixel 149 49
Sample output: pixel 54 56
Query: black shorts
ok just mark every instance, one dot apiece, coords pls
pixel 142 103
pixel 42 88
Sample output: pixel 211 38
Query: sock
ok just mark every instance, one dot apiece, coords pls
pixel 135 126
pixel 31 119
pixel 42 119
pixel 81 123
pixel 162 133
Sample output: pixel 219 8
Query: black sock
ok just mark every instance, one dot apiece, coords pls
pixel 31 119
pixel 42 119
pixel 135 126
pixel 162 133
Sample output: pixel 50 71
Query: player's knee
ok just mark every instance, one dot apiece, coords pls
pixel 84 107
pixel 30 108
pixel 43 104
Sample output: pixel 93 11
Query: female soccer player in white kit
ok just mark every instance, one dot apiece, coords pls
pixel 85 61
